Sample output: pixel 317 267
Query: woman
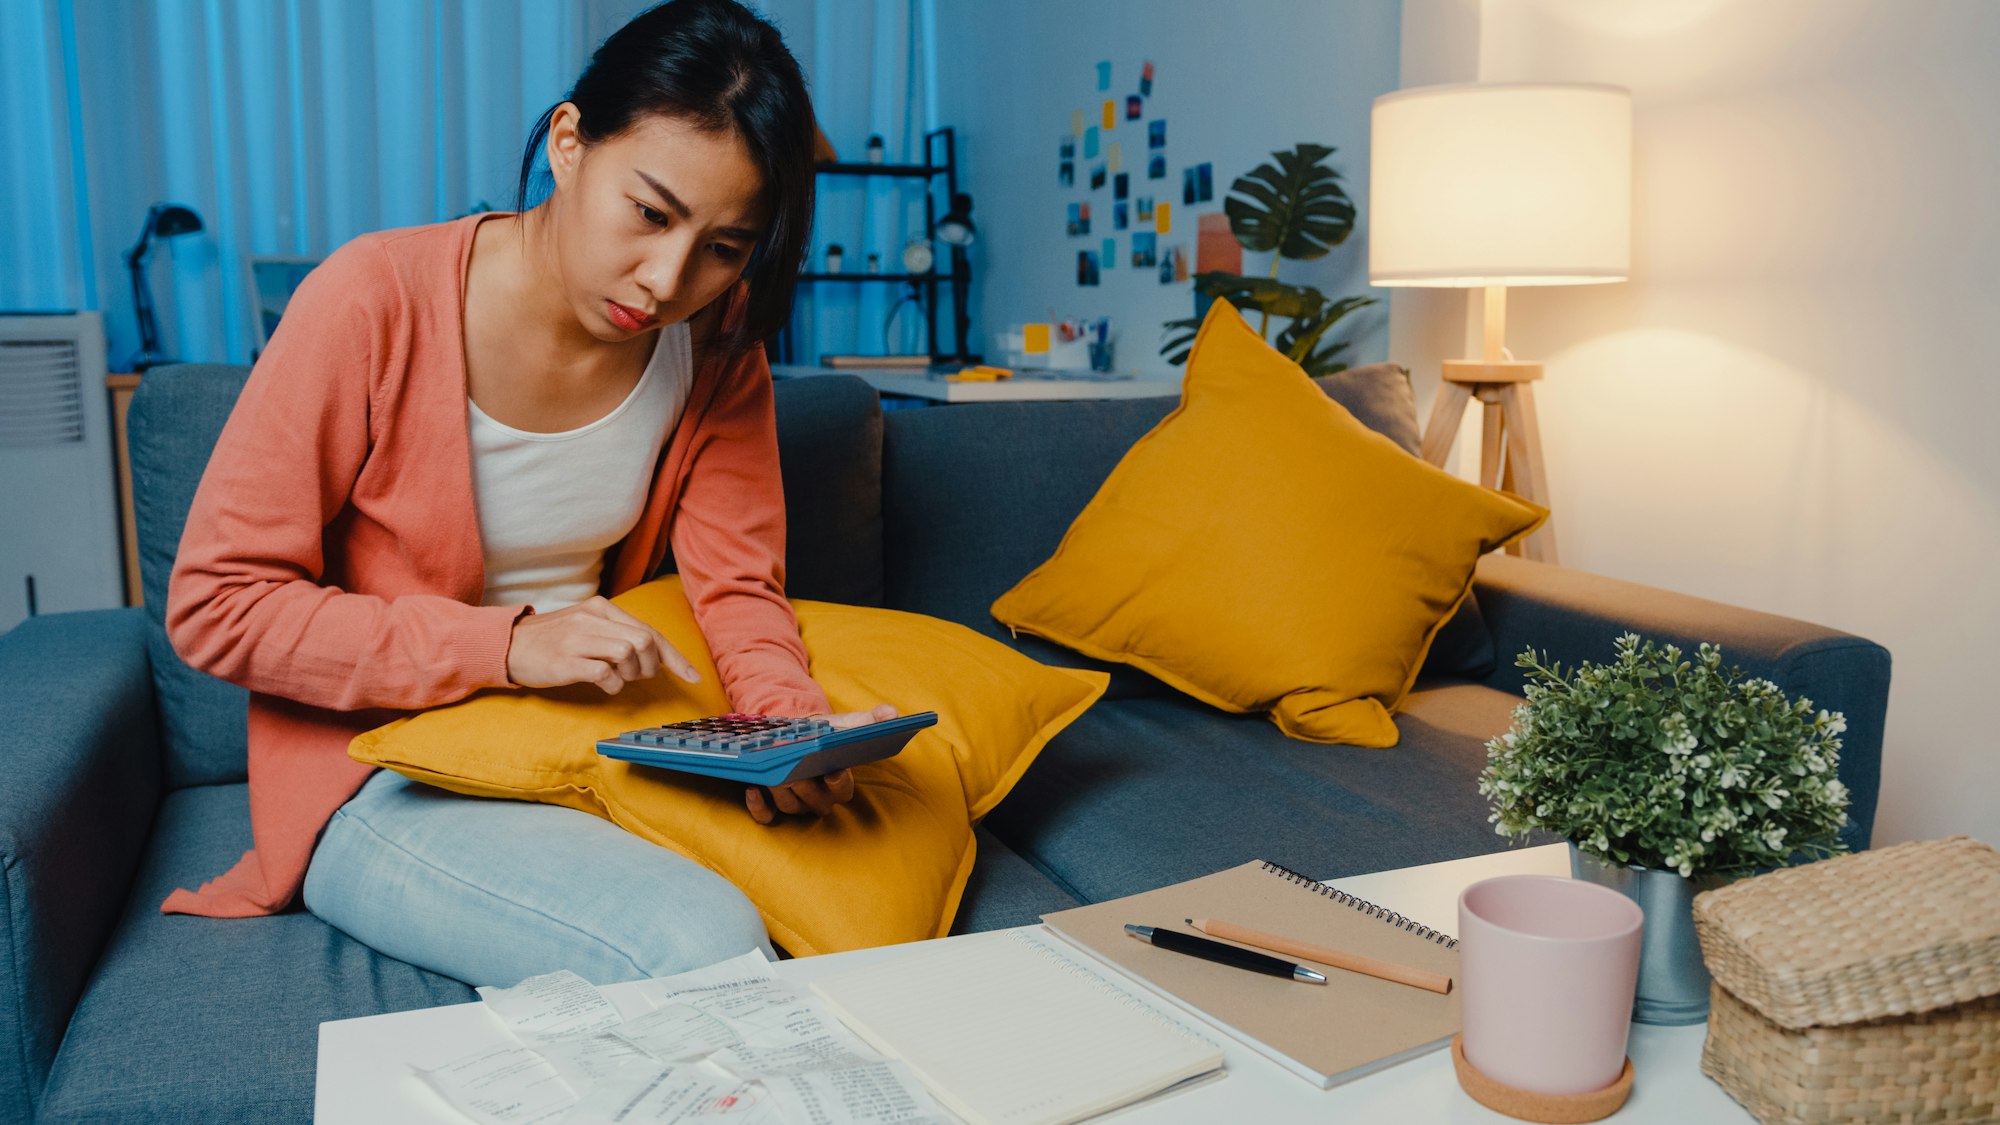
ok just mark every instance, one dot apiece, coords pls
pixel 459 435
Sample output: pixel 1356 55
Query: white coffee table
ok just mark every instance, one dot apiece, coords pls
pixel 364 1076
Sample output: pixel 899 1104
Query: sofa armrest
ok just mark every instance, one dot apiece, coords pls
pixel 80 751
pixel 1575 616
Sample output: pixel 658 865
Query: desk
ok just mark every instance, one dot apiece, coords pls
pixel 363 1078
pixel 933 387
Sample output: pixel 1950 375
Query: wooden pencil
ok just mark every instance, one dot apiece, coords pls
pixel 1339 959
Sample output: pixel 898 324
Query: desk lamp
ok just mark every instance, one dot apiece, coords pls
pixel 955 230
pixel 1478 186
pixel 163 220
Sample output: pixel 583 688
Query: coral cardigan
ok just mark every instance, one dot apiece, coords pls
pixel 331 562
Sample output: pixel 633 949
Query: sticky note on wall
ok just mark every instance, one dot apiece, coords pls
pixel 1163 216
pixel 1114 157
pixel 1034 338
pixel 1110 115
pixel 1076 122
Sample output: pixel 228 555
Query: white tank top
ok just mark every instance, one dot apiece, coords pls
pixel 550 505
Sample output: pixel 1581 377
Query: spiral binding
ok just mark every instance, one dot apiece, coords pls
pixel 1405 924
pixel 1130 999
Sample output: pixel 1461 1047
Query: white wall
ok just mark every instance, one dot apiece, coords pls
pixel 1234 83
pixel 1790 405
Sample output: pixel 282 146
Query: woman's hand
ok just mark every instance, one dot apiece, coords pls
pixel 591 642
pixel 814 796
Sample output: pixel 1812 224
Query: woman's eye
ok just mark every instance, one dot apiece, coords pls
pixel 654 217
pixel 727 252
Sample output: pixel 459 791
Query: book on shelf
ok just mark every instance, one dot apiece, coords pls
pixel 1351 1026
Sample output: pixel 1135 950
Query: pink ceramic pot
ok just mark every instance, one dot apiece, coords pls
pixel 1547 968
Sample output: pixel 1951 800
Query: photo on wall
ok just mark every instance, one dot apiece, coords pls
pixel 1142 209
pixel 1079 219
pixel 1167 259
pixel 1144 251
pixel 1121 185
pixel 1134 107
pixel 1156 133
pixel 1197 184
pixel 1156 168
pixel 1121 215
pixel 1086 267
pixel 1096 177
pixel 1066 174
pixel 1146 79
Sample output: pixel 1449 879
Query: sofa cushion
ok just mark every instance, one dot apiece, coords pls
pixel 1263 550
pixel 1005 890
pixel 888 867
pixel 976 496
pixel 212 1020
pixel 176 416
pixel 1140 793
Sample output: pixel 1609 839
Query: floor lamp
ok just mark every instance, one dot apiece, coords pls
pixel 1479 186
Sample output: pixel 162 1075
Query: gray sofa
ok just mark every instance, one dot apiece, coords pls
pixel 125 768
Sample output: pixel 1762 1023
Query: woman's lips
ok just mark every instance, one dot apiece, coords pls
pixel 631 320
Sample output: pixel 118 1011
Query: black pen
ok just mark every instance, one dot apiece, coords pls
pixel 1177 942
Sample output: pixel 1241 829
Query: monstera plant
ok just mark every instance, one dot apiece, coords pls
pixel 1295 207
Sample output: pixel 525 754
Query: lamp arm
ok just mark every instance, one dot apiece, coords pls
pixel 142 293
pixel 137 253
pixel 142 305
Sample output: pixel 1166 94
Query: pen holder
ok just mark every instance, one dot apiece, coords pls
pixel 1102 354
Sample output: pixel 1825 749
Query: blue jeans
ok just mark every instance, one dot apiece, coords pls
pixel 491 891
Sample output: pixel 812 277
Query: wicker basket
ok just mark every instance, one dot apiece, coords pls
pixel 1861 989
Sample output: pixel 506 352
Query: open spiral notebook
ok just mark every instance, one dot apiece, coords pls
pixel 1352 1026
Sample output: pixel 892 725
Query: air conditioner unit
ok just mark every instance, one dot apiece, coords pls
pixel 58 506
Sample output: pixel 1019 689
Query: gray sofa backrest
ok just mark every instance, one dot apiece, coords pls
pixel 829 443
pixel 176 415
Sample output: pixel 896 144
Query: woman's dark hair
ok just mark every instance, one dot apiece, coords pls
pixel 713 64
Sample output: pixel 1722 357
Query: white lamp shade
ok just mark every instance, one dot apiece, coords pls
pixel 1474 185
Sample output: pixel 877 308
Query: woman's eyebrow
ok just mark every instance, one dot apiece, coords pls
pixel 675 205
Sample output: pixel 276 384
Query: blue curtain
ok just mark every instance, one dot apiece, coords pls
pixel 292 126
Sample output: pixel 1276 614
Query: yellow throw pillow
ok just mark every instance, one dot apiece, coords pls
pixel 888 867
pixel 1261 550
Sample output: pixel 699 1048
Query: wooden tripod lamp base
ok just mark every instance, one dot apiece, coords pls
pixel 1510 448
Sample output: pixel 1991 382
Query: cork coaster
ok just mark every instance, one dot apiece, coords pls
pixel 1555 1109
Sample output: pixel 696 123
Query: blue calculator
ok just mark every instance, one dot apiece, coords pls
pixel 763 749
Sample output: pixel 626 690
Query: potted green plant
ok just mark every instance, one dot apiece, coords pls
pixel 1667 776
pixel 1294 206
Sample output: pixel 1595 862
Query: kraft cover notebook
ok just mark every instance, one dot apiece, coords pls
pixel 1351 1026
pixel 1013 1028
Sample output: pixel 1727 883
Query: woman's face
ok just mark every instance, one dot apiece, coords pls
pixel 650 225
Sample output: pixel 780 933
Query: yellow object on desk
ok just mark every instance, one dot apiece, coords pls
pixel 980 374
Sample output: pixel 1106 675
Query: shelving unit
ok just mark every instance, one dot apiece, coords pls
pixel 940 159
